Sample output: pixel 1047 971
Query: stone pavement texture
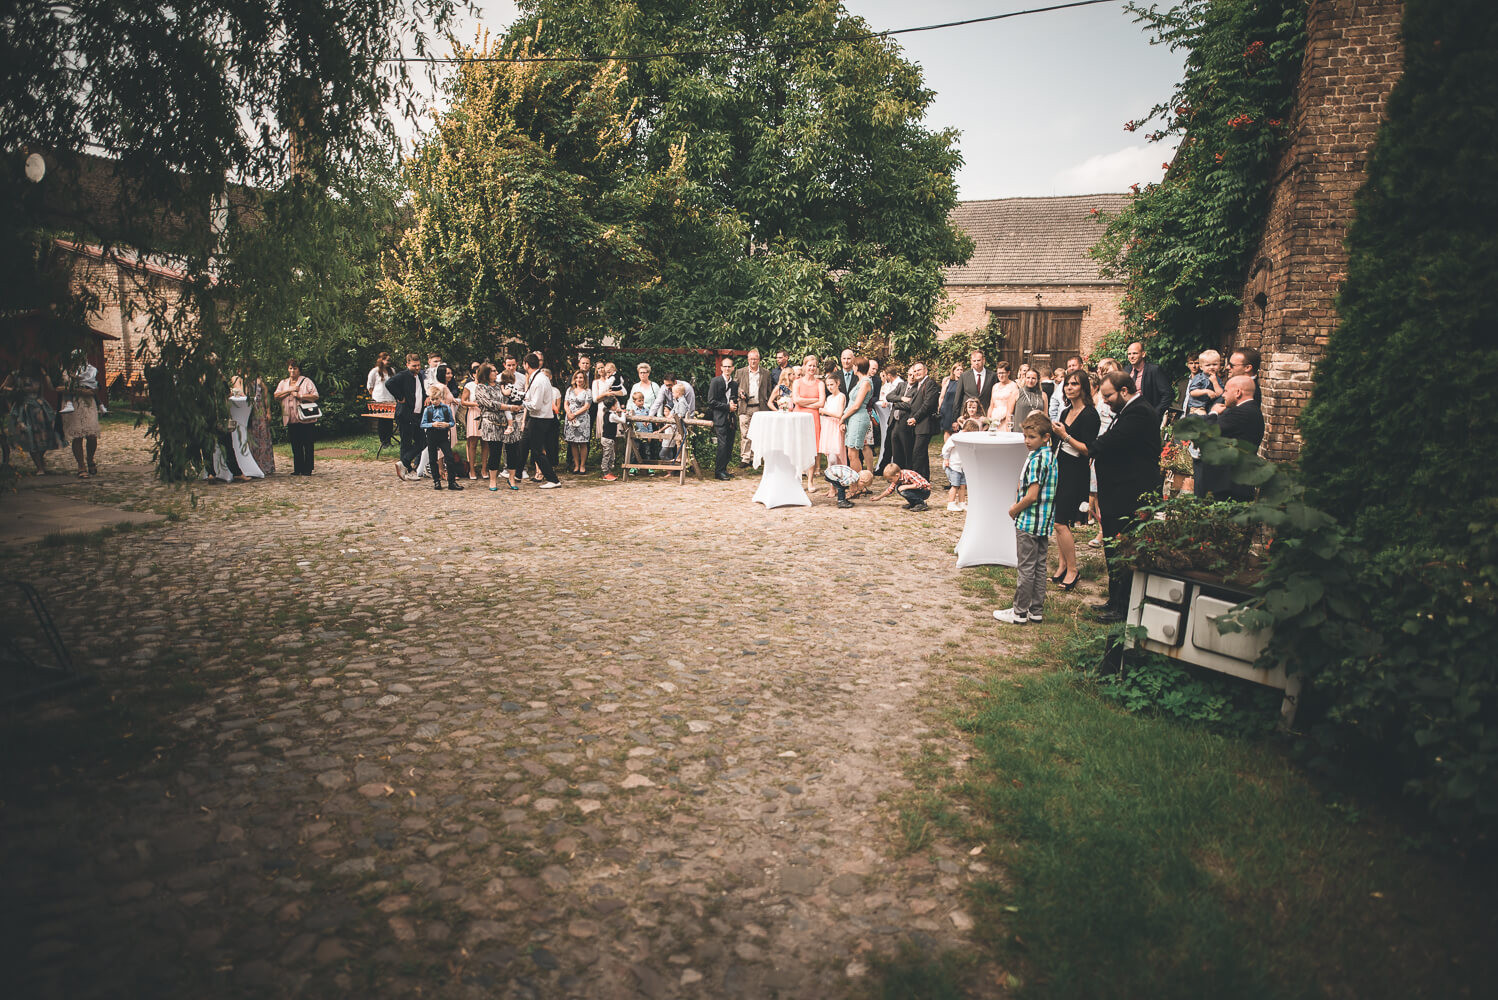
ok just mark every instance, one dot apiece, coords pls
pixel 612 740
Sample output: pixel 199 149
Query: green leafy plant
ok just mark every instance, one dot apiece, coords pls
pixel 1187 533
pixel 1182 245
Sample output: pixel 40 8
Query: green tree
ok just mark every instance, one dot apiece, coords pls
pixel 531 216
pixel 808 138
pixel 184 99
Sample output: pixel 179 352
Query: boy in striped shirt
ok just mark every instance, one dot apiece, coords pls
pixel 1033 513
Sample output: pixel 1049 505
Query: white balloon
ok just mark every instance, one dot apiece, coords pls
pixel 36 167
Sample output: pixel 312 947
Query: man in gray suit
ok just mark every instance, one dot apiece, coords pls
pixel 754 395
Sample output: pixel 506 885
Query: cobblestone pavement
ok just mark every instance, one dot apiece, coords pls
pixel 604 741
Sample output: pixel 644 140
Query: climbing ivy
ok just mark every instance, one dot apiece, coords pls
pixel 1182 246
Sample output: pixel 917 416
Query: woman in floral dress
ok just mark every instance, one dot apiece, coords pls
pixel 576 427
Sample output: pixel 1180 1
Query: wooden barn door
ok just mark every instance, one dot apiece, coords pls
pixel 1042 338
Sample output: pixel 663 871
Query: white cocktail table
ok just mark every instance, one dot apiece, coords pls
pixel 991 464
pixel 786 443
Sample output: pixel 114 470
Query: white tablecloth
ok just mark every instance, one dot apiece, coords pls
pixel 991 464
pixel 786 444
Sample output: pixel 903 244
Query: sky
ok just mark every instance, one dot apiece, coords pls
pixel 1040 100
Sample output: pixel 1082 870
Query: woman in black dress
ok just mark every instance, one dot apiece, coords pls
pixel 1077 429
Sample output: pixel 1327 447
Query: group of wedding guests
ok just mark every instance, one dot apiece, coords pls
pixel 33 425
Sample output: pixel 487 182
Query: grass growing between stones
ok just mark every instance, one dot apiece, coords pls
pixel 1145 857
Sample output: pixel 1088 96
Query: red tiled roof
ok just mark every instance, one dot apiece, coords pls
pixel 1033 241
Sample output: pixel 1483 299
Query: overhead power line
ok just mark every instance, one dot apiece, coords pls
pixel 743 49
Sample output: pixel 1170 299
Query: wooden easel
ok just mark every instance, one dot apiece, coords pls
pixel 684 459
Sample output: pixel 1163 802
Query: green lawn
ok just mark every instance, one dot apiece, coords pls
pixel 1142 857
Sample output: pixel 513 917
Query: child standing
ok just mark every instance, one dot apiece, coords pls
pixel 1033 512
pixel 437 420
pixel 1204 391
pixel 951 462
pixel 913 487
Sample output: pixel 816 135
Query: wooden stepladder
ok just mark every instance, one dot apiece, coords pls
pixel 678 425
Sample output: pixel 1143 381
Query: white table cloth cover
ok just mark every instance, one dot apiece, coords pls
pixel 991 464
pixel 786 444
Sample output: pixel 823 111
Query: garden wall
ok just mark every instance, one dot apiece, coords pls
pixel 1354 54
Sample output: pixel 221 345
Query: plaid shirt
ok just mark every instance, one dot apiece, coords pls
pixel 913 481
pixel 1038 518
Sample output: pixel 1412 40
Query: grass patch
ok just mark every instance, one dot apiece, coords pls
pixel 916 974
pixel 1150 858
pixel 58 539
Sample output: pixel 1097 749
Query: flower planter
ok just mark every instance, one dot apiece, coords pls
pixel 1178 612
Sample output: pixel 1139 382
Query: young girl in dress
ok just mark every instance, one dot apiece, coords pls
pixel 830 440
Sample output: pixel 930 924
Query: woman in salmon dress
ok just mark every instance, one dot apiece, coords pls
pixel 809 395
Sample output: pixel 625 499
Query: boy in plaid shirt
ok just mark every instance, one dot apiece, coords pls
pixel 912 486
pixel 1034 512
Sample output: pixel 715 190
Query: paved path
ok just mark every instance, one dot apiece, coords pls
pixel 605 741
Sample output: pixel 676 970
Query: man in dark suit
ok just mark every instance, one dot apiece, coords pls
pixel 1149 381
pixel 977 383
pixel 723 407
pixel 1239 419
pixel 782 361
pixel 921 419
pixel 409 392
pixel 1127 459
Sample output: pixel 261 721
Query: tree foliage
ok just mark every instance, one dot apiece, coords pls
pixel 183 99
pixel 807 141
pixel 1183 245
pixel 532 217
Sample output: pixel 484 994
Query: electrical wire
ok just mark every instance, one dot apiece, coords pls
pixel 744 49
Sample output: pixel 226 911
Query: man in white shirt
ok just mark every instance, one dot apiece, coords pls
pixel 540 421
pixel 666 398
pixel 754 395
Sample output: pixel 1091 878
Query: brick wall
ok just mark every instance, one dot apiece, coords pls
pixel 126 298
pixel 972 303
pixel 1353 56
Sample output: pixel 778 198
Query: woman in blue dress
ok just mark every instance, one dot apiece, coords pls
pixel 858 418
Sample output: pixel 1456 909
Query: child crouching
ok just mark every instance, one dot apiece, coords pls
pixel 913 487
pixel 1033 513
pixel 846 483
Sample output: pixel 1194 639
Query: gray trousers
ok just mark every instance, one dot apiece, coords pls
pixel 607 444
pixel 1029 591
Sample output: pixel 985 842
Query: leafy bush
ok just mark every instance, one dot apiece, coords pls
pixel 1390 449
pixel 1157 685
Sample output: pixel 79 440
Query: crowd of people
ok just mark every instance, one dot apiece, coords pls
pixel 1094 435
pixel 33 425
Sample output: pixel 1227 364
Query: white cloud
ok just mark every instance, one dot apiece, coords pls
pixel 1115 171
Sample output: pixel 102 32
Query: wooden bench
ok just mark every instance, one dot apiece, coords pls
pixel 684 458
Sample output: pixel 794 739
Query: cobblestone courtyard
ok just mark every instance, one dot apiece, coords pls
pixel 604 741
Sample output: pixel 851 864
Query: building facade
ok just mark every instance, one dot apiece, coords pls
pixel 1031 273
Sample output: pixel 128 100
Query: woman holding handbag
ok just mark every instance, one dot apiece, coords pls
pixel 299 413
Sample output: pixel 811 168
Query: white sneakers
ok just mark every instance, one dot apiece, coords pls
pixel 956 507
pixel 546 485
pixel 1013 616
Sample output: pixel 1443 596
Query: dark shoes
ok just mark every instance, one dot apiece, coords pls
pixel 722 476
pixel 1107 616
pixel 845 504
pixel 916 506
pixel 454 486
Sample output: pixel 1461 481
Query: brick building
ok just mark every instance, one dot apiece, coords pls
pixel 1353 56
pixel 1030 270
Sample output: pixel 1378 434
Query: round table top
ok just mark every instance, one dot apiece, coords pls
pixel 988 437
